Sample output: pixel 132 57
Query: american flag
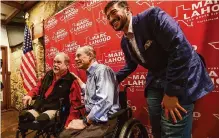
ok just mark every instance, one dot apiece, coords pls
pixel 28 65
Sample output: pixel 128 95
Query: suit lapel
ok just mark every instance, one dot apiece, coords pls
pixel 137 33
pixel 130 50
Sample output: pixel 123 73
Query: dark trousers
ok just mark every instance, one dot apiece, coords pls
pixel 161 127
pixel 92 131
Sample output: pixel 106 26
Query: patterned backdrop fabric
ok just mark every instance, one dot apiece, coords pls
pixel 84 23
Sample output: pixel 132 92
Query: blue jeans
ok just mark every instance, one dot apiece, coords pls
pixel 161 127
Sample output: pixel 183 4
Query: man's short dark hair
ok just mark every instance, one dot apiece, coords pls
pixel 119 2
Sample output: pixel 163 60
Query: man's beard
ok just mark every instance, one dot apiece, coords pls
pixel 122 25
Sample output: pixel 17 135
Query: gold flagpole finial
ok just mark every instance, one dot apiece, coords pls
pixel 27 19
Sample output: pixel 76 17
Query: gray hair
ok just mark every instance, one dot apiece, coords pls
pixel 89 50
pixel 66 57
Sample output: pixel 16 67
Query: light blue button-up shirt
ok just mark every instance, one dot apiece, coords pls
pixel 101 92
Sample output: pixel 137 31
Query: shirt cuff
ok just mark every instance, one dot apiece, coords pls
pixel 91 117
pixel 83 86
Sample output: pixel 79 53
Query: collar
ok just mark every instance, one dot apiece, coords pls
pixel 61 76
pixel 92 68
pixel 130 32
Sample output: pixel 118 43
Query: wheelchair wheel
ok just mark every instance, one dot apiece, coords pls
pixel 133 129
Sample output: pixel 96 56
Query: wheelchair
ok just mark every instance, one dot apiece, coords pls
pixel 126 126
pixel 47 129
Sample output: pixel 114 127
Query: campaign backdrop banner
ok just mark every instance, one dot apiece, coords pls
pixel 84 23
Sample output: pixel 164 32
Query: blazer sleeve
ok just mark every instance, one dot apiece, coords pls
pixel 170 37
pixel 129 67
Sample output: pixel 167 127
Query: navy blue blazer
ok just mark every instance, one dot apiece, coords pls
pixel 168 55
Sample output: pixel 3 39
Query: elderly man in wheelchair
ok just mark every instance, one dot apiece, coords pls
pixel 55 96
pixel 103 118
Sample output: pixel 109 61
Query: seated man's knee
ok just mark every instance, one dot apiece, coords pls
pixel 43 118
pixel 28 115
pixel 46 116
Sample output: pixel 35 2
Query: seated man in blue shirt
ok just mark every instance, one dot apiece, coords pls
pixel 100 97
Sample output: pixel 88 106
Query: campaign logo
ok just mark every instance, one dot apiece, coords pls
pixel 149 130
pixel 102 18
pixel 198 12
pixel 213 73
pixel 51 23
pixel 91 4
pixel 137 80
pixel 48 67
pixel 51 52
pixel 129 103
pixel 119 34
pixel 113 59
pixel 215 45
pixel 150 3
pixel 60 35
pixel 46 39
pixel 71 47
pixel 98 39
pixel 81 26
pixel 196 115
pixel 216 115
pixel 69 14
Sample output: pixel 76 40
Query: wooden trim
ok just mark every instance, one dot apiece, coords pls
pixel 6 80
pixel 13 4
pixel 28 5
pixel 12 16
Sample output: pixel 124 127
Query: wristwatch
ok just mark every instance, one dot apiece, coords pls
pixel 85 121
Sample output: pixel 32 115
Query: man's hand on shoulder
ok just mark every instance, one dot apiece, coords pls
pixel 80 82
pixel 27 100
pixel 75 75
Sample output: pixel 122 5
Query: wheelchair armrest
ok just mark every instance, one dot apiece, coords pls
pixel 62 108
pixel 79 107
pixel 61 100
pixel 117 114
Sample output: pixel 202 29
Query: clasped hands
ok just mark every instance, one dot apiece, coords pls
pixel 171 106
pixel 76 124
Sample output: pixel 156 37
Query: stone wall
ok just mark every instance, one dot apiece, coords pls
pixel 38 13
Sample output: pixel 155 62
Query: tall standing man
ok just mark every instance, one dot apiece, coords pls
pixel 176 75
